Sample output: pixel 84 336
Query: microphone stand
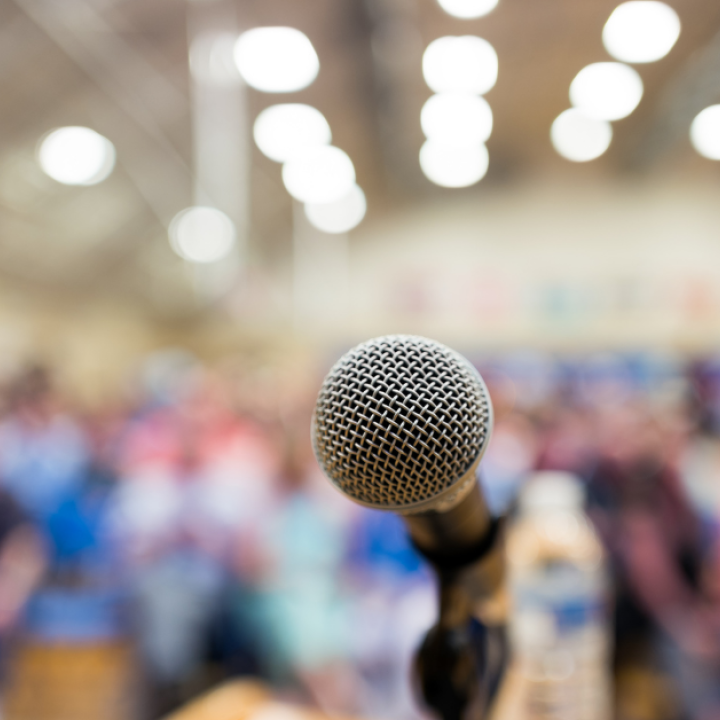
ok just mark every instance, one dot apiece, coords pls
pixel 461 661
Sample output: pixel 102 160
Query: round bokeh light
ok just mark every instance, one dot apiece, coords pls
pixel 606 90
pixel 460 64
pixel 466 9
pixel 453 167
pixel 202 234
pixel 319 175
pixel 276 59
pixel 578 137
pixel 641 31
pixel 76 156
pixel 705 132
pixel 457 119
pixel 340 216
pixel 280 131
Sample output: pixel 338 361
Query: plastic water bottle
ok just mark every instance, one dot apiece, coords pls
pixel 559 620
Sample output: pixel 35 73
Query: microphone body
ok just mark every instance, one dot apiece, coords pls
pixel 401 423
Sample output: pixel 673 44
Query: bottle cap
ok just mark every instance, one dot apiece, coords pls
pixel 552 490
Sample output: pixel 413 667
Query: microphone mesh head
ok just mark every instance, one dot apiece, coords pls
pixel 399 420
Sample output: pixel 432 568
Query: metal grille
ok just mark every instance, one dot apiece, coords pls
pixel 399 419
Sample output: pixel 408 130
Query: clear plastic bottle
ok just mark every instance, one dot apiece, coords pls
pixel 559 619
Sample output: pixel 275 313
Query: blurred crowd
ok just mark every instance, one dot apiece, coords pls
pixel 193 523
pixel 643 433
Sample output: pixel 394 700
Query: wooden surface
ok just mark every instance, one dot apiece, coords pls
pixel 71 682
pixel 252 700
pixel 245 700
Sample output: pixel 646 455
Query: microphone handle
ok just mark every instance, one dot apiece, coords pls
pixel 463 542
pixel 461 660
pixel 451 532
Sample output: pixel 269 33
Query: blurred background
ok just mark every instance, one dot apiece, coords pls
pixel 203 204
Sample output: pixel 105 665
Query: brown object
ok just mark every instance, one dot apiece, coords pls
pixel 244 700
pixel 71 682
pixel 234 700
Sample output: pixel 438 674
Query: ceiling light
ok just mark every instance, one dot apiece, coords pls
pixel 468 8
pixel 282 130
pixel 202 234
pixel 457 119
pixel 319 175
pixel 453 167
pixel 76 156
pixel 578 137
pixel 641 31
pixel 460 64
pixel 606 90
pixel 276 59
pixel 340 216
pixel 705 132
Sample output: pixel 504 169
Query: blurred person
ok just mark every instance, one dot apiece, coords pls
pixel 23 560
pixel 703 398
pixel 643 514
pixel 43 451
pixel 700 459
pixel 83 555
pixel 44 467
pixel 566 438
pixel 192 474
pixel 393 604
pixel 291 564
pixel 512 450
pixel 511 455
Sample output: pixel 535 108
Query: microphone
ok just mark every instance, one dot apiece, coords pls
pixel 401 423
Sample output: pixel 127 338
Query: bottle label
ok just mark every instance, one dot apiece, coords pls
pixel 559 631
